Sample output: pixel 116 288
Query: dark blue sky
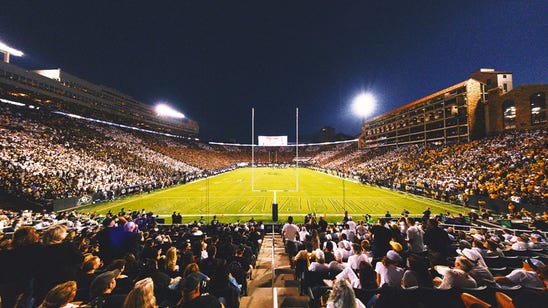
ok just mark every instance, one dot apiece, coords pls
pixel 214 60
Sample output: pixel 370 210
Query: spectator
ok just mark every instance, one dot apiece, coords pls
pixel 343 295
pixel 101 291
pixel 192 295
pixel 456 277
pixel 381 239
pixel 388 271
pixel 417 273
pixel 142 295
pixel 60 296
pixel 525 276
pixel 414 237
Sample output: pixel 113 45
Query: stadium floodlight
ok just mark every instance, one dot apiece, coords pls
pixel 364 104
pixel 164 110
pixel 11 51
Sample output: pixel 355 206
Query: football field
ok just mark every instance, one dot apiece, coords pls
pixel 230 197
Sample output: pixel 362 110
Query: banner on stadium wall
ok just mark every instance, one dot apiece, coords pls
pixel 272 141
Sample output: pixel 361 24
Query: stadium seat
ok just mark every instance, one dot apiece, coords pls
pixel 504 301
pixel 469 300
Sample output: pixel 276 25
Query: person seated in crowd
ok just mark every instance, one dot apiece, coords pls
pixel 537 242
pixel 480 272
pixel 59 261
pixel 328 252
pixel 525 276
pixel 337 264
pixel 192 296
pixel 101 291
pixel 61 296
pixel 364 278
pixel 355 259
pixel 493 249
pixel 343 295
pixel 456 277
pixel 417 273
pixel 344 246
pixel 142 295
pixel 388 271
pixel 225 287
pixel 86 274
pixel 209 265
pixel 318 264
pixel 517 243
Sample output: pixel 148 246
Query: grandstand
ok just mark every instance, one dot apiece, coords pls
pixel 77 148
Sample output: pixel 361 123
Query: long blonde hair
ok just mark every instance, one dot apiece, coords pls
pixel 342 295
pixel 60 295
pixel 142 295
pixel 54 235
pixel 171 259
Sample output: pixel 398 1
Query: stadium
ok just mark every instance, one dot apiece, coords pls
pixel 114 197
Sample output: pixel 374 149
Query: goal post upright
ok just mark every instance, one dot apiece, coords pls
pixel 274 191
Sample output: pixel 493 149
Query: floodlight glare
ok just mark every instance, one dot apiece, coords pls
pixel 164 110
pixel 11 51
pixel 364 104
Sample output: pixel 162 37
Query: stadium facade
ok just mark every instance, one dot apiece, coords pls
pixel 59 91
pixel 483 105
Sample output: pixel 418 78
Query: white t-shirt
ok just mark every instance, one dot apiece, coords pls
pixel 355 260
pixel 392 275
pixel 290 231
pixel 525 278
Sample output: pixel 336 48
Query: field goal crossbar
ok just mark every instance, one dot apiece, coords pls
pixel 275 191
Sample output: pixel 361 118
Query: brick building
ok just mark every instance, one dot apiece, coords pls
pixel 484 104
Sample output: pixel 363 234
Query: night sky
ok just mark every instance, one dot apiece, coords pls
pixel 214 60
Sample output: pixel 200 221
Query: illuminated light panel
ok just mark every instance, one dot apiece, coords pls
pixel 11 51
pixel 164 110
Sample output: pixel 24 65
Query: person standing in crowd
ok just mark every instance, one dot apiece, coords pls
pixel 437 241
pixel 426 215
pixel 290 234
pixel 414 237
pixel 381 239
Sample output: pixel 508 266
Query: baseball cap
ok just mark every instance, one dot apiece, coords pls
pixel 102 282
pixel 534 263
pixel 470 254
pixel 396 246
pixel 394 256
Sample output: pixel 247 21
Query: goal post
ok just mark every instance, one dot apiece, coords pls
pixel 274 140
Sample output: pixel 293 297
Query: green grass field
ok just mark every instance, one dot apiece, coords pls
pixel 230 197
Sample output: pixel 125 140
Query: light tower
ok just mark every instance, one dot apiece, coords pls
pixel 7 51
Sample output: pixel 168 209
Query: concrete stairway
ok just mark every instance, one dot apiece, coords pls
pixel 260 292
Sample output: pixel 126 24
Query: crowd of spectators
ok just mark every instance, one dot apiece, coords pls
pixel 509 167
pixel 122 260
pixel 49 156
pixel 410 253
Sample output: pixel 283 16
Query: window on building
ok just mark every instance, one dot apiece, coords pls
pixel 509 114
pixel 505 87
pixel 538 108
